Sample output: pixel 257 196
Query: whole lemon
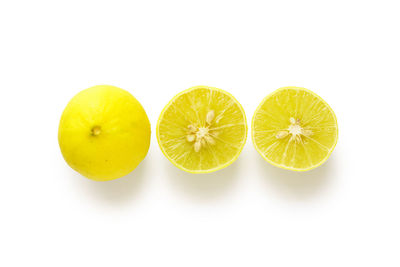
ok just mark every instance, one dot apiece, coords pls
pixel 104 133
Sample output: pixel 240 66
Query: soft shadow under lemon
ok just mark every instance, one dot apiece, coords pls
pixel 122 189
pixel 207 186
pixel 299 185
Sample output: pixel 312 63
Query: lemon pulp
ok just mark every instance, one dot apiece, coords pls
pixel 104 133
pixel 295 129
pixel 202 129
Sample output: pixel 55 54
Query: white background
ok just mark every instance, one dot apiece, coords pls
pixel 345 213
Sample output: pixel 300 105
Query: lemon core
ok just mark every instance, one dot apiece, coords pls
pixel 203 135
pixel 295 130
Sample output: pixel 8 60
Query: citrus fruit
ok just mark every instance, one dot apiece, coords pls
pixel 202 129
pixel 295 129
pixel 104 133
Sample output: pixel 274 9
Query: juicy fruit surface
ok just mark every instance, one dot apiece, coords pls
pixel 202 129
pixel 104 133
pixel 295 129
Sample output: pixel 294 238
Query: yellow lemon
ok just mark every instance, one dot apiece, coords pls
pixel 104 133
pixel 202 129
pixel 295 129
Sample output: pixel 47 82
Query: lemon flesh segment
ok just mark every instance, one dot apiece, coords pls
pixel 104 133
pixel 202 129
pixel 295 129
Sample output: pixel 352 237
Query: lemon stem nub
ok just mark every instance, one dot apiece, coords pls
pixel 96 130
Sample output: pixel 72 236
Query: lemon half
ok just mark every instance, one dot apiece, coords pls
pixel 295 129
pixel 202 129
pixel 104 133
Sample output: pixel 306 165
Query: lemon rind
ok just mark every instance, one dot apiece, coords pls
pixel 284 166
pixel 222 166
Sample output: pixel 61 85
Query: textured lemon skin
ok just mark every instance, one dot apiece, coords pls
pixel 283 166
pixel 123 140
pixel 207 170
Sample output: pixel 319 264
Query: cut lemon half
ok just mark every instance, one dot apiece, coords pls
pixel 295 129
pixel 202 129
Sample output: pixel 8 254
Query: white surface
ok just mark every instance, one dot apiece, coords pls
pixel 345 213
